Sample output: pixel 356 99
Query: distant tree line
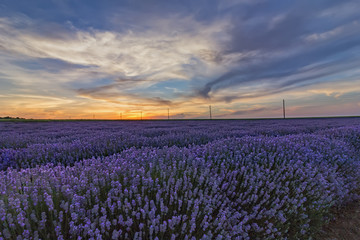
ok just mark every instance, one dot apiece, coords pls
pixel 7 117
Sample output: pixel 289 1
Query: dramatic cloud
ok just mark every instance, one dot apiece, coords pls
pixel 288 50
pixel 131 55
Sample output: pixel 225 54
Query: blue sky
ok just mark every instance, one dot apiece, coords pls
pixel 62 59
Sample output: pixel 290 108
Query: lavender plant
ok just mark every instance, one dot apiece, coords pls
pixel 224 183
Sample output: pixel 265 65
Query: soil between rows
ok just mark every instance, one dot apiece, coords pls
pixel 345 225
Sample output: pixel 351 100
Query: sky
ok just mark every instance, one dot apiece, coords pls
pixel 84 59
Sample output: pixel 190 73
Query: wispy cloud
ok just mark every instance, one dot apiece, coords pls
pixel 128 59
pixel 128 54
pixel 183 55
pixel 341 31
pixel 248 112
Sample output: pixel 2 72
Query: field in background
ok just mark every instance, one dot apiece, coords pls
pixel 223 179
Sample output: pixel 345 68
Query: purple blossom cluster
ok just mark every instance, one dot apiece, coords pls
pixel 24 145
pixel 243 180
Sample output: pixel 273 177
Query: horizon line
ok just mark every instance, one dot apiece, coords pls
pixel 4 119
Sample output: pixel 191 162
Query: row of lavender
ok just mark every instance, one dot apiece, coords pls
pixel 24 145
pixel 279 186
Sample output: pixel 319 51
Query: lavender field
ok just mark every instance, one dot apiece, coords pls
pixel 219 179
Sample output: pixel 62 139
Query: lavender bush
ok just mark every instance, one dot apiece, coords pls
pixel 175 180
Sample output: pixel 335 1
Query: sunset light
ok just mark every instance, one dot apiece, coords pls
pixel 77 59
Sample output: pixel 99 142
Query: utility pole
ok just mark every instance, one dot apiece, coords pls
pixel 93 116
pixel 140 115
pixel 210 111
pixel 168 114
pixel 284 107
pixel 120 116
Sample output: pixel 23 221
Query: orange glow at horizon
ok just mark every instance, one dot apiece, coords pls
pixel 320 101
